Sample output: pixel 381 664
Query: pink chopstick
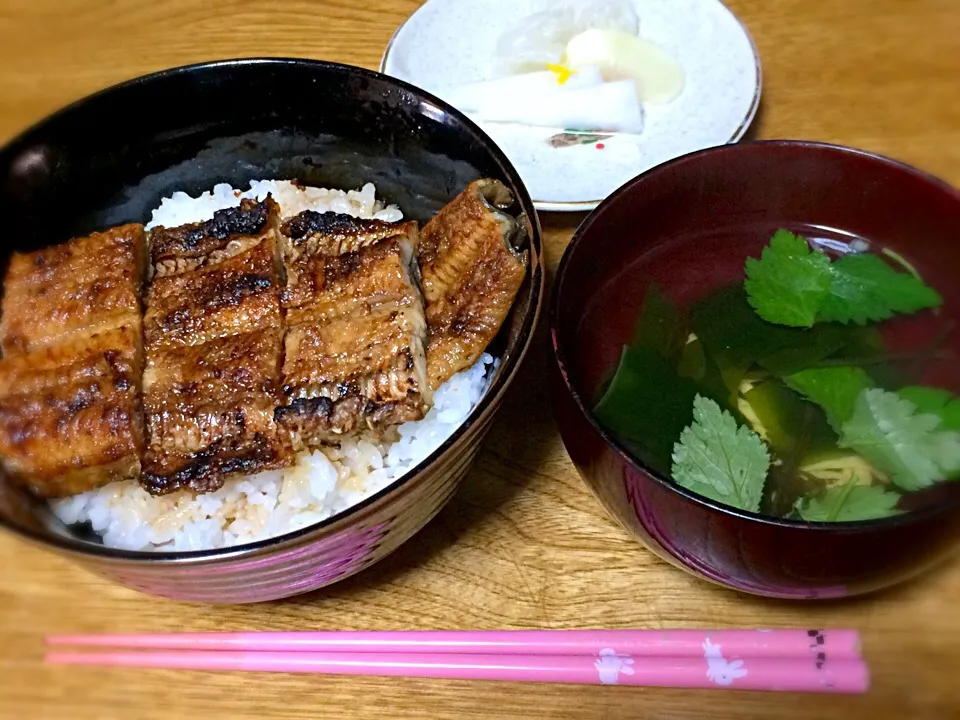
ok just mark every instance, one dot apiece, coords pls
pixel 835 644
pixel 607 667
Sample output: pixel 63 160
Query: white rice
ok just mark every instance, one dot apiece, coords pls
pixel 180 208
pixel 323 482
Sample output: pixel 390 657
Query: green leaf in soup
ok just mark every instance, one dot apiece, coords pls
pixel 939 402
pixel 893 435
pixel 950 415
pixel 660 325
pixel 739 339
pixel 794 428
pixel 648 404
pixel 850 502
pixel 719 459
pixel 927 399
pixel 935 401
pixel 722 381
pixel 791 425
pixel 794 285
pixel 864 288
pixel 789 284
pixel 725 323
pixel 821 342
pixel 864 344
pixel 835 389
pixel 716 379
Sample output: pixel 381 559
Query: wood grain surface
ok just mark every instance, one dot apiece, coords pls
pixel 523 545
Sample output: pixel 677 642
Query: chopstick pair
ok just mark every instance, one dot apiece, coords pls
pixel 826 661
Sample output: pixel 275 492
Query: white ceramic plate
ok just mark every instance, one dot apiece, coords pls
pixel 451 42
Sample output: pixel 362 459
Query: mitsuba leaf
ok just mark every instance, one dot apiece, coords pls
pixel 717 458
pixel 909 445
pixel 864 288
pixel 835 389
pixel 850 503
pixel 793 285
pixel 935 401
pixel 790 283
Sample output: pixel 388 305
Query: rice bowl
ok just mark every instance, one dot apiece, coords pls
pixel 358 126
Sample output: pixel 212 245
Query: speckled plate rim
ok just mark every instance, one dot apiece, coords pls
pixel 589 205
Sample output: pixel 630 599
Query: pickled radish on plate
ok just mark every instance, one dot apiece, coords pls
pixel 539 39
pixel 574 66
pixel 472 96
pixel 619 55
pixel 610 106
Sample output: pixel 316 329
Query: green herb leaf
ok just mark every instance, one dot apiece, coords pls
pixel 910 446
pixel 720 460
pixel 793 285
pixel 821 342
pixel 865 289
pixel 789 421
pixel 950 415
pixel 849 503
pixel 935 401
pixel 789 284
pixel 835 389
pixel 793 428
pixel 659 325
pixel 738 338
pixel 648 404
pixel 927 399
pixel 941 403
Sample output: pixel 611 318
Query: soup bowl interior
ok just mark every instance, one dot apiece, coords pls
pixel 688 226
pixel 110 158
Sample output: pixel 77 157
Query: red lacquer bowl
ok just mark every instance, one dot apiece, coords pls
pixel 688 225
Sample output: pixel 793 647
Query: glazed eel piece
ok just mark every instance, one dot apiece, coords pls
pixel 471 267
pixel 70 416
pixel 353 359
pixel 212 331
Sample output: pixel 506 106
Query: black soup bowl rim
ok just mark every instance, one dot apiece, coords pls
pixel 690 160
pixel 504 374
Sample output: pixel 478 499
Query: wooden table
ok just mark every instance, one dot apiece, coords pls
pixel 523 544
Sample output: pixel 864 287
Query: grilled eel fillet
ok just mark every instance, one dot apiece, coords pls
pixel 77 288
pixel 70 416
pixel 471 272
pixel 353 359
pixel 354 349
pixel 212 330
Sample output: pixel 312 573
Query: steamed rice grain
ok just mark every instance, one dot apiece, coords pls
pixel 180 208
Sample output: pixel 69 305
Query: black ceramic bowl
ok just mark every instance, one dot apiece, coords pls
pixel 109 158
pixel 688 225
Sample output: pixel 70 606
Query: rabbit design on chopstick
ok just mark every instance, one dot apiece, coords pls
pixel 610 664
pixel 719 669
